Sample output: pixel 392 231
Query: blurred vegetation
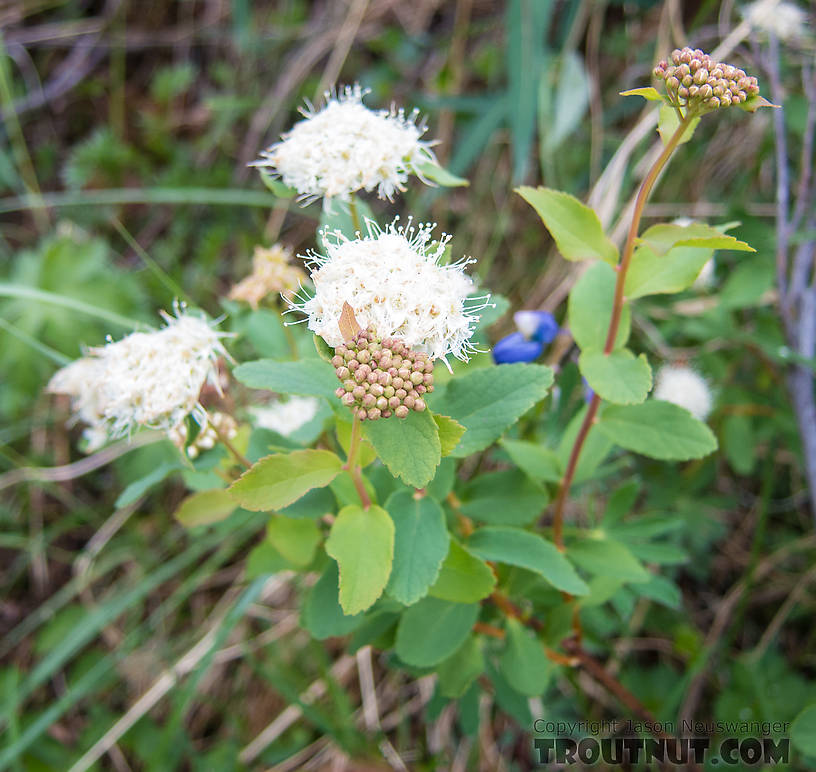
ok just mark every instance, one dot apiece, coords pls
pixel 123 177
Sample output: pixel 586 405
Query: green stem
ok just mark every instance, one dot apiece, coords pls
pixel 355 214
pixel 239 457
pixel 351 465
pixel 614 323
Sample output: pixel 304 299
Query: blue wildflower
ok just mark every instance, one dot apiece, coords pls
pixel 516 348
pixel 536 325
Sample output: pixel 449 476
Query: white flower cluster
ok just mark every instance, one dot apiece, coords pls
pixel 285 418
pixel 345 147
pixel 396 284
pixel 147 379
pixel 684 387
pixel 784 20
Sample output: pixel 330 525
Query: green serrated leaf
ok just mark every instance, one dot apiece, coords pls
pixel 649 93
pixel 652 274
pixel 505 497
pixel 617 377
pixel 524 663
pixel 575 227
pixel 463 577
pixel 660 589
pixel 527 550
pixel 668 122
pixel 362 543
pixel 450 432
pixel 306 377
pixel 433 629
pixel 536 461
pixel 458 671
pixel 605 557
pixel 205 507
pixel 490 400
pixel 281 479
pixel 322 615
pixel 589 308
pixel 441 176
pixel 295 539
pixel 421 543
pixel 657 429
pixel 409 447
pixel 662 237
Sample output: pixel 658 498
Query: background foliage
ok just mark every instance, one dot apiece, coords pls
pixel 133 123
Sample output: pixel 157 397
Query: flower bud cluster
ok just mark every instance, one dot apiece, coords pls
pixel 696 80
pixel 381 378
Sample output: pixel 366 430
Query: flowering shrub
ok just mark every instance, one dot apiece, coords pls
pixel 355 464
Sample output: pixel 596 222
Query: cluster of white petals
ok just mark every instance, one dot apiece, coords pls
pixel 684 387
pixel 396 282
pixel 287 417
pixel 345 147
pixel 147 379
pixel 784 20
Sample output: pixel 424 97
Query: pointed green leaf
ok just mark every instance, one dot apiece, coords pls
pixel 295 539
pixel 463 578
pixel 660 589
pixel 280 189
pixel 649 93
pixel 617 377
pixel 441 176
pixel 505 497
pixel 450 432
pixel 536 461
pixel 409 447
pixel 589 308
pixel 281 479
pixel 668 122
pixel 322 615
pixel 431 630
pixel 596 448
pixel 362 543
pixel 524 663
pixel 661 238
pixel 308 377
pixel 657 429
pixel 527 550
pixel 575 227
pixel 458 671
pixel 606 557
pixel 205 507
pixel 652 274
pixel 490 400
pixel 421 543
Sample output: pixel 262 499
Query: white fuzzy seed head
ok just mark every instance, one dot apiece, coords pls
pixel 147 379
pixel 345 147
pixel 397 286
pixel 684 387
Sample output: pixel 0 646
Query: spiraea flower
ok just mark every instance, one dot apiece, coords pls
pixel 381 377
pixel 699 83
pixel 684 387
pixel 287 417
pixel 345 147
pixel 147 379
pixel 80 381
pixel 272 273
pixel 784 20
pixel 397 285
